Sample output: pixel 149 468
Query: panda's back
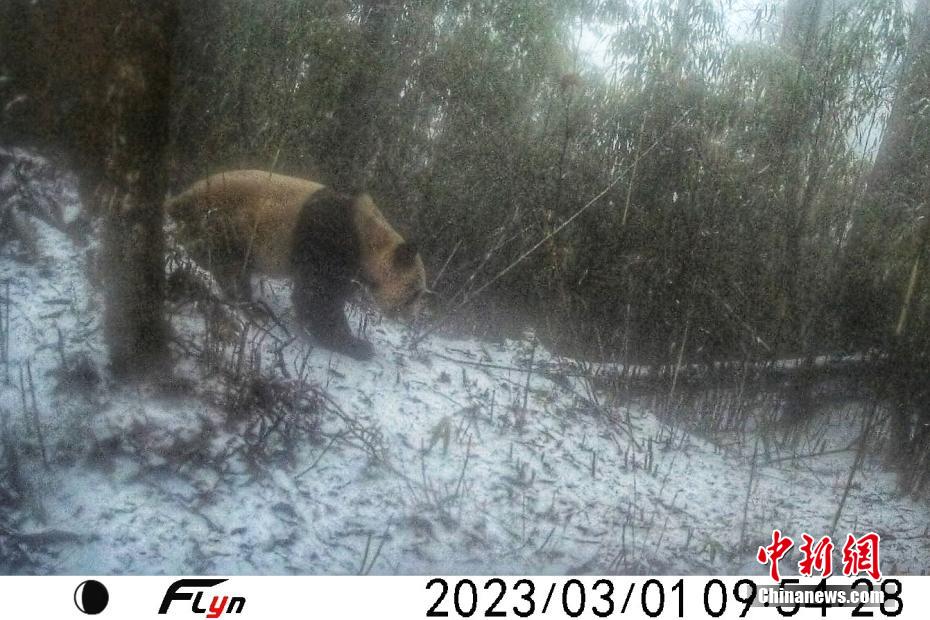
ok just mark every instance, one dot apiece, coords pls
pixel 256 208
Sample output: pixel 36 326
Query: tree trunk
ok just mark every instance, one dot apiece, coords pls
pixel 94 78
pixel 800 30
pixel 133 189
pixel 352 143
pixel 899 174
pixel 898 184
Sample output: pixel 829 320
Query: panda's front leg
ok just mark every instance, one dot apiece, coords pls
pixel 320 305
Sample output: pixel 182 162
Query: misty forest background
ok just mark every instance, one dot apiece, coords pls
pixel 699 188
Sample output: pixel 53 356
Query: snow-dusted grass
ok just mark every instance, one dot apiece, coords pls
pixel 419 461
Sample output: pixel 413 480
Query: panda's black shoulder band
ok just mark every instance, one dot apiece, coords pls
pixel 325 240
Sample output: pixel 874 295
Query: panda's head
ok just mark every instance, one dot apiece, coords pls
pixel 399 284
pixel 390 266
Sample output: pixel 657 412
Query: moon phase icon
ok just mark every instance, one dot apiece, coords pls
pixel 91 597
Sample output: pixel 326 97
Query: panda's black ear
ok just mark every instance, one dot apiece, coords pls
pixel 405 254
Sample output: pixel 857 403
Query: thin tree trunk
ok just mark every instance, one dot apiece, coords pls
pixel 133 188
pixel 353 141
pixel 802 19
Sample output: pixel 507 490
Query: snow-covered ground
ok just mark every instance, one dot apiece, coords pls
pixel 263 455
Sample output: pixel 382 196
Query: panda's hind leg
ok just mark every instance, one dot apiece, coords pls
pixel 320 305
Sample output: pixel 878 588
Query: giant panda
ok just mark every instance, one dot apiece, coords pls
pixel 244 221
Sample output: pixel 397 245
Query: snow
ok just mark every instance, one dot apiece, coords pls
pixel 419 461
